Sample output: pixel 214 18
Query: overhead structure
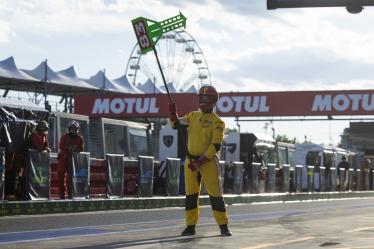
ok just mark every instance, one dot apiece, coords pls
pixel 181 58
pixel 20 105
pixel 57 83
pixel 270 105
pixel 45 81
pixel 42 81
pixel 352 6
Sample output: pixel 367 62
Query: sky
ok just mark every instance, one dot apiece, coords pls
pixel 247 48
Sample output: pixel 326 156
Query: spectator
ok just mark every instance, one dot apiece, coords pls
pixel 364 168
pixel 16 160
pixel 259 158
pixel 69 142
pixel 343 165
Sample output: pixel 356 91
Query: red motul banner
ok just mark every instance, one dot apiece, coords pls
pixel 241 104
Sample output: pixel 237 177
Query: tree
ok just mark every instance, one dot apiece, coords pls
pixel 286 139
pixel 228 130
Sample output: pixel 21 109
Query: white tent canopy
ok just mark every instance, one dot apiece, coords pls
pixel 124 82
pixel 42 72
pixel 149 87
pixel 100 81
pixel 170 87
pixel 8 69
pixel 43 79
pixel 69 76
pixel 69 72
pixel 191 89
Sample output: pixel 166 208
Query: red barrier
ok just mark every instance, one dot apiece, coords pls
pixel 97 178
pixel 131 175
pixel 53 180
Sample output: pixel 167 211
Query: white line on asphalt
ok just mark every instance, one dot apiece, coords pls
pixel 90 212
pixel 358 229
pixel 87 235
pixel 356 247
pixel 253 216
pixel 98 226
pixel 277 243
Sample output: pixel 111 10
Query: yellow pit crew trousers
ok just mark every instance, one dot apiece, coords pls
pixel 209 174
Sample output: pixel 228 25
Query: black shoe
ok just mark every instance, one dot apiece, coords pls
pixel 188 231
pixel 225 230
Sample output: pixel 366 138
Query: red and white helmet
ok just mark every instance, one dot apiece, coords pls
pixel 208 97
pixel 73 126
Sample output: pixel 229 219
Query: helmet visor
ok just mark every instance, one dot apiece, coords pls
pixel 205 99
pixel 73 129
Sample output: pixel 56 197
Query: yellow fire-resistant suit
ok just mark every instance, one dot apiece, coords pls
pixel 205 132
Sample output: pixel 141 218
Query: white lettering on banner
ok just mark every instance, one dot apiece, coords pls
pixel 343 102
pixel 130 104
pixel 101 106
pixel 140 108
pixel 153 108
pixel 225 104
pixel 251 108
pixel 321 103
pixel 117 106
pixel 239 102
pixel 355 100
pixel 235 103
pixel 263 106
pixel 365 102
pixel 126 105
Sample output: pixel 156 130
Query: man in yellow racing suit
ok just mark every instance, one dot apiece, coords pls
pixel 205 135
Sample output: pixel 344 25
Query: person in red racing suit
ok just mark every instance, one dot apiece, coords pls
pixel 69 142
pixel 39 139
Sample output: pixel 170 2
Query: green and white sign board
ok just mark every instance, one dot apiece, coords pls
pixel 148 32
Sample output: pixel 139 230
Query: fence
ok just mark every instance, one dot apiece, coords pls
pixel 120 177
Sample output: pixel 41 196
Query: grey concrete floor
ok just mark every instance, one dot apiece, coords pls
pixel 317 224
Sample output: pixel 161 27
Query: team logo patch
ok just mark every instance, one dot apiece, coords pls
pixel 168 140
pixel 206 123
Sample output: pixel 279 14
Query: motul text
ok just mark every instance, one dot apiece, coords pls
pixel 237 103
pixel 125 105
pixel 343 102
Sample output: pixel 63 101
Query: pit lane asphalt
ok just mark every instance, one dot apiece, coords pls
pixel 314 224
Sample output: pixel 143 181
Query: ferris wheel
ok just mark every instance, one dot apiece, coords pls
pixel 181 59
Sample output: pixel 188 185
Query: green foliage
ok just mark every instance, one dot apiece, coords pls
pixel 228 130
pixel 286 139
